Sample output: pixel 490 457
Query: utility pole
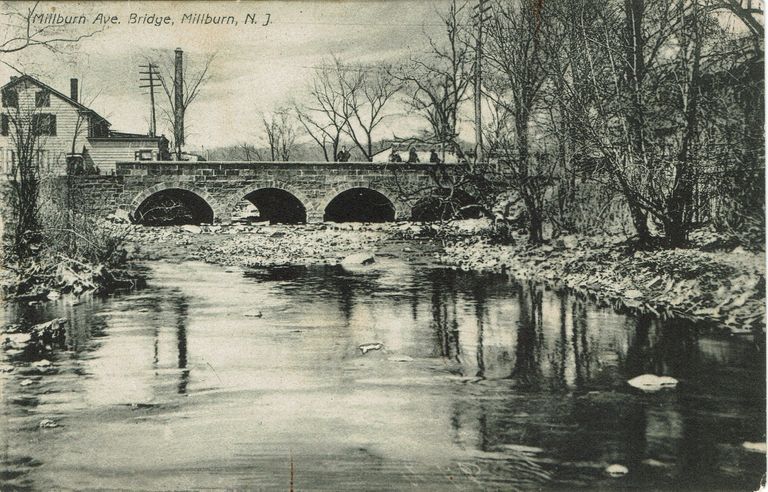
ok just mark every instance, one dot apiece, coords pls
pixel 481 9
pixel 151 78
pixel 178 100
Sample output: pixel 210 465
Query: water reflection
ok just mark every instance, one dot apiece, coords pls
pixel 494 383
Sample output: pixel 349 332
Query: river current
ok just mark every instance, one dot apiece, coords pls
pixel 214 378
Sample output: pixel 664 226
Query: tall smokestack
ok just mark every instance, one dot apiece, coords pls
pixel 73 92
pixel 178 98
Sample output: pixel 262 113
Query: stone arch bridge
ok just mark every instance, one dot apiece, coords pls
pixel 310 192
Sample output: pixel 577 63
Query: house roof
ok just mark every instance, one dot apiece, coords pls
pixel 123 136
pixel 29 78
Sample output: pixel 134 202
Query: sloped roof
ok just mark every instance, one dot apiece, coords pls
pixel 67 99
pixel 124 136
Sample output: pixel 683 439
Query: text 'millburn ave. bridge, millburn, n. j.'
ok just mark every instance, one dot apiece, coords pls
pixel 150 19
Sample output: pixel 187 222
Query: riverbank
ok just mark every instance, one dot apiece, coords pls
pixel 249 246
pixel 47 278
pixel 726 286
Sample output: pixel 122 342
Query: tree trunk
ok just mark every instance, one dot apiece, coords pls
pixel 680 202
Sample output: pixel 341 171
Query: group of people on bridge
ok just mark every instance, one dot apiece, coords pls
pixel 344 156
pixel 413 157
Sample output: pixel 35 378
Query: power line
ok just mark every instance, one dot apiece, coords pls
pixel 151 77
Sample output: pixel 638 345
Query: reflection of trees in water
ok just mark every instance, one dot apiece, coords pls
pixel 181 308
pixel 530 336
pixel 175 303
pixel 445 325
pixel 580 343
pixel 658 347
pixel 479 294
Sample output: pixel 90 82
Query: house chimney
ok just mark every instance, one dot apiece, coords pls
pixel 73 89
pixel 178 98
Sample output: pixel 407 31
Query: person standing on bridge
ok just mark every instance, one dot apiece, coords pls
pixel 395 156
pixel 344 155
pixel 433 157
pixel 413 156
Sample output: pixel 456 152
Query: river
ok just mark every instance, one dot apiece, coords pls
pixel 223 378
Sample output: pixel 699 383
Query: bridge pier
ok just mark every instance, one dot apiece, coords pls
pixel 314 216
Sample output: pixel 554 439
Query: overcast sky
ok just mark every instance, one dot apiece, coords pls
pixel 256 68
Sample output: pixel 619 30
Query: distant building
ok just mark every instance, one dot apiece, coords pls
pixel 68 131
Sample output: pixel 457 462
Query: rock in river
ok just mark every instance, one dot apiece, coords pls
pixel 357 259
pixel 367 347
pixel 652 382
pixel 755 447
pixel 616 471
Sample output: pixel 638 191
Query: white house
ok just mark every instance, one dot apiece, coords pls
pixel 67 131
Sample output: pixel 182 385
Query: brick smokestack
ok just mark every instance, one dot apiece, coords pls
pixel 178 98
pixel 73 92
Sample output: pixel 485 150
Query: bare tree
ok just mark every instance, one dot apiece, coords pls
pixel 21 33
pixel 437 84
pixel 326 116
pixel 249 152
pixel 193 78
pixel 25 126
pixel 518 68
pixel 640 90
pixel 369 90
pixel 281 133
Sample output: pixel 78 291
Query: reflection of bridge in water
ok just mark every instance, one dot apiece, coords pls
pixel 286 192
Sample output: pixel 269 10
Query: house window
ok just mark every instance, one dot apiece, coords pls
pixel 4 125
pixel 97 129
pixel 143 155
pixel 10 99
pixel 42 99
pixel 44 124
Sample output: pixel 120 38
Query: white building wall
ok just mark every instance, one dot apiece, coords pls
pixel 70 125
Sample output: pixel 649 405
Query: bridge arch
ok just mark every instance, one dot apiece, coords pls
pixel 157 205
pixel 362 203
pixel 279 199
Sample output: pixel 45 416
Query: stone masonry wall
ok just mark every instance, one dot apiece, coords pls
pixel 223 184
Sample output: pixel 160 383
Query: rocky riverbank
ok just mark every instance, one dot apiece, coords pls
pixel 709 281
pixel 275 245
pixel 726 286
pixel 47 278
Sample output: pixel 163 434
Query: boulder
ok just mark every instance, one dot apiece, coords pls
pixel 566 242
pixel 633 294
pixel 616 471
pixel 192 229
pixel 367 347
pixel 357 259
pixel 17 338
pixel 48 424
pixel 652 382
pixel 755 447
